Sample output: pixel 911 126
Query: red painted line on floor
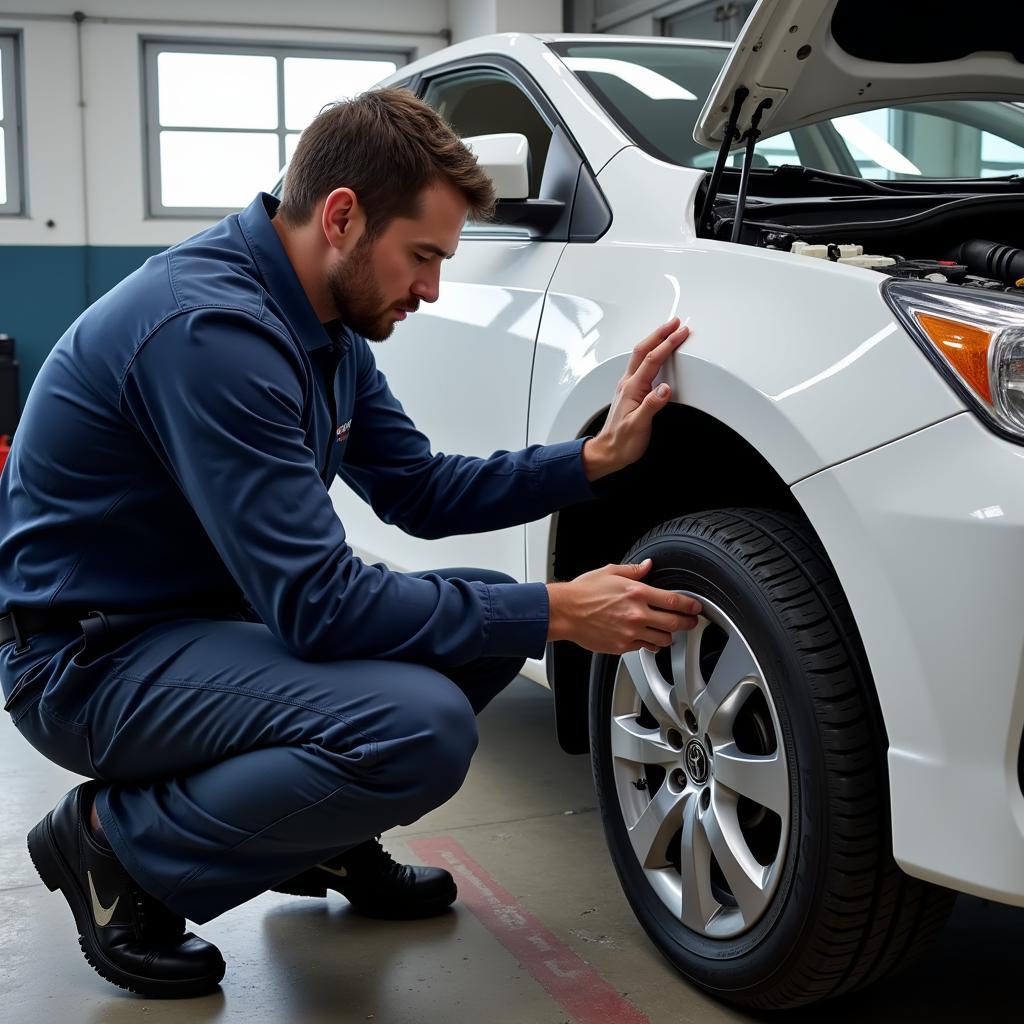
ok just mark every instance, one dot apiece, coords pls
pixel 580 990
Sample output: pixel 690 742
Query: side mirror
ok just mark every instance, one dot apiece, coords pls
pixel 506 159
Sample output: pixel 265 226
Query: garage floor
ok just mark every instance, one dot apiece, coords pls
pixel 541 934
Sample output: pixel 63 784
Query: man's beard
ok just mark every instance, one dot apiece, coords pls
pixel 357 296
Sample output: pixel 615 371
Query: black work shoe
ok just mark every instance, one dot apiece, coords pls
pixel 376 885
pixel 129 937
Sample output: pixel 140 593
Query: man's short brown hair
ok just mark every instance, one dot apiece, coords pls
pixel 387 146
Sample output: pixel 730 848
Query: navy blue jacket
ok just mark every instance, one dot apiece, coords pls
pixel 177 446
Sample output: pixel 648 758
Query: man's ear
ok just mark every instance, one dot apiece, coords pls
pixel 342 220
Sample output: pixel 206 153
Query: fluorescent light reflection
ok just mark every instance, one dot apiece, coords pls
pixel 650 83
pixel 873 145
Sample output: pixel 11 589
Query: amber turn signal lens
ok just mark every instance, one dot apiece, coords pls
pixel 964 347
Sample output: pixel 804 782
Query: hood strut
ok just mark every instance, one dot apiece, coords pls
pixel 723 154
pixel 751 135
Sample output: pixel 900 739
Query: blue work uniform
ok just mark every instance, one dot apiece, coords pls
pixel 175 453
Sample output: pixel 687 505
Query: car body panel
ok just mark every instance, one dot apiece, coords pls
pixel 787 52
pixel 927 537
pixel 805 385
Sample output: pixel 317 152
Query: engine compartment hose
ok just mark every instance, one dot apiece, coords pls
pixel 990 259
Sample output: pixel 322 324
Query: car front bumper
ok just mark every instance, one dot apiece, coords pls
pixel 927 537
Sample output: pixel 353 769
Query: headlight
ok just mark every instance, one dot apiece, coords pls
pixel 976 339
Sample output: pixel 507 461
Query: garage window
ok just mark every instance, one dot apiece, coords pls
pixel 223 120
pixel 10 127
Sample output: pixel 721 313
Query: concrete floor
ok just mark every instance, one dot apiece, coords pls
pixel 527 840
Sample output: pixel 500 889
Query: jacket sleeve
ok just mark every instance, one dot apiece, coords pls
pixel 388 462
pixel 220 395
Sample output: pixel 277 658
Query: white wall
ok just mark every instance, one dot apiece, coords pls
pixel 415 16
pixel 113 212
pixel 469 18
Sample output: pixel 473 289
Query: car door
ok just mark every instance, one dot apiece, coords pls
pixel 461 366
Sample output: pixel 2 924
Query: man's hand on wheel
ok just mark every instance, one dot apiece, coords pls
pixel 627 430
pixel 610 611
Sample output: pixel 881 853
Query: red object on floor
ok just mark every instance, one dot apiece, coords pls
pixel 5 447
pixel 582 993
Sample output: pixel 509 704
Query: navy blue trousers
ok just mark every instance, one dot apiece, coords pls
pixel 233 765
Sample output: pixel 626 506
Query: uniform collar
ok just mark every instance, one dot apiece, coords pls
pixel 280 277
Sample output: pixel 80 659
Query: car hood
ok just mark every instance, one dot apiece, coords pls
pixel 816 59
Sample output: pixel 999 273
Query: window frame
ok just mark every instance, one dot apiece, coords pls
pixel 12 121
pixel 522 78
pixel 152 47
pixel 493 75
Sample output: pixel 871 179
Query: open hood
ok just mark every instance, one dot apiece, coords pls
pixel 818 59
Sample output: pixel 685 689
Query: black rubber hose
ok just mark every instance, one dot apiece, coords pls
pixel 990 259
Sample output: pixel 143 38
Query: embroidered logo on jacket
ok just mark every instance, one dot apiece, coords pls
pixel 342 432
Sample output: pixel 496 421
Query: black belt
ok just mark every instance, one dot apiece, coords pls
pixel 19 624
pixel 101 630
pixel 25 622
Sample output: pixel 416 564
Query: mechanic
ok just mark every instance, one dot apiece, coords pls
pixel 184 621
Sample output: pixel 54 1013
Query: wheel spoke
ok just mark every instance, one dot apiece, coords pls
pixel 639 744
pixel 658 822
pixel 761 778
pixel 734 666
pixel 746 877
pixel 699 903
pixel 686 661
pixel 654 691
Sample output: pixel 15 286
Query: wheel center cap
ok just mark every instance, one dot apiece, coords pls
pixel 696 762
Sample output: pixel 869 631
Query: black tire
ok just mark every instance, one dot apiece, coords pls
pixel 843 914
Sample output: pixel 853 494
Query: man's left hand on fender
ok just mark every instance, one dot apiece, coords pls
pixel 627 431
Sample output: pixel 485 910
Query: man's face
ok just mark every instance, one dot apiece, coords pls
pixel 380 281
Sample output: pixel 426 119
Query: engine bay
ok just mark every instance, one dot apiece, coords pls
pixel 978 262
pixel 947 231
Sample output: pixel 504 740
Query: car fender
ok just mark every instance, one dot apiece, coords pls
pixel 800 356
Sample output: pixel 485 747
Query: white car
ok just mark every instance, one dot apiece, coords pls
pixel 793 791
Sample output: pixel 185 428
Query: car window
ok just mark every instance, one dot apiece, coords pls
pixel 655 92
pixel 485 102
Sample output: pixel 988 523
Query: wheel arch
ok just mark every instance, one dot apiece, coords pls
pixel 722 469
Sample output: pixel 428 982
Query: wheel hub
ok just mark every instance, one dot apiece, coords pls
pixel 697 765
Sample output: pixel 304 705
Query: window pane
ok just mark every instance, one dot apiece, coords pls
pixel 485 102
pixel 868 137
pixel 3 168
pixel 216 168
pixel 1 84
pixel 1007 155
pixel 312 82
pixel 217 90
pixel 290 142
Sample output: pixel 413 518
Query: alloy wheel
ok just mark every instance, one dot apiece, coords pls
pixel 702 776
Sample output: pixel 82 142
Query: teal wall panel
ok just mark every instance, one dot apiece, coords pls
pixel 43 288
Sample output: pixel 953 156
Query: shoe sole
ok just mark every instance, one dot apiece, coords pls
pixel 428 908
pixel 56 874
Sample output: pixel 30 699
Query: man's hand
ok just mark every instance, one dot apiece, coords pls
pixel 627 431
pixel 610 611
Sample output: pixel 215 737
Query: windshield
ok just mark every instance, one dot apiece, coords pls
pixel 655 92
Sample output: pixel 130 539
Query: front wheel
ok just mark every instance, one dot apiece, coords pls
pixel 741 774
